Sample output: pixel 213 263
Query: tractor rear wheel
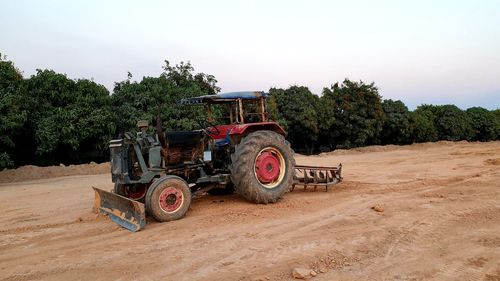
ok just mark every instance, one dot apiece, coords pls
pixel 136 192
pixel 262 167
pixel 168 198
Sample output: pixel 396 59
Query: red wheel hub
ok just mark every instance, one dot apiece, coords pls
pixel 171 199
pixel 135 191
pixel 267 167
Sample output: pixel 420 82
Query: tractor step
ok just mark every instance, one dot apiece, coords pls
pixel 126 212
pixel 316 176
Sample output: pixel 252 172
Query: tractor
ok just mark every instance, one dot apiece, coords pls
pixel 243 151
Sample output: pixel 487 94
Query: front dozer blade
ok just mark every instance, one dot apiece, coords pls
pixel 125 212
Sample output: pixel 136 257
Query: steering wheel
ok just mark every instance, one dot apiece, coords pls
pixel 205 124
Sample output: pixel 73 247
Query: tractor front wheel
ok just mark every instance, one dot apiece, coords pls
pixel 262 167
pixel 168 198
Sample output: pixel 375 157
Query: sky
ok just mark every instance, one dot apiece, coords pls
pixel 432 52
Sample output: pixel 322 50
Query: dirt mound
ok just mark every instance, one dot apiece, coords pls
pixel 392 147
pixel 30 172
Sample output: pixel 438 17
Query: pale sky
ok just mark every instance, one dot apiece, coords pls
pixel 417 51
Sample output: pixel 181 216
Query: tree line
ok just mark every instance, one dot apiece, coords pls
pixel 48 118
pixel 352 114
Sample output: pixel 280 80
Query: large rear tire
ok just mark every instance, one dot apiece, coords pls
pixel 168 198
pixel 262 167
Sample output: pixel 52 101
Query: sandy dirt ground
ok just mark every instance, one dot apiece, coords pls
pixel 440 221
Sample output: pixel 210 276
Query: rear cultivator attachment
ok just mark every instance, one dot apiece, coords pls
pixel 316 176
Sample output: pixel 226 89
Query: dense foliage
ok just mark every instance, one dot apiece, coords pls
pixel 355 112
pixel 144 100
pixel 49 118
pixel 12 113
pixel 297 110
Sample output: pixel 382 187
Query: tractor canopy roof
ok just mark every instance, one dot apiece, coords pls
pixel 225 97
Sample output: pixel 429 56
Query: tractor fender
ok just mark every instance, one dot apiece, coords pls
pixel 239 131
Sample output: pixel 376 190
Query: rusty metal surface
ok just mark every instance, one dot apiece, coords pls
pixel 127 213
pixel 316 176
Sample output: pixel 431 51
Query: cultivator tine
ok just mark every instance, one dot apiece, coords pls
pixel 126 212
pixel 316 176
pixel 306 179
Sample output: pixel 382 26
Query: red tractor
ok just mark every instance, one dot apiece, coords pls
pixel 242 151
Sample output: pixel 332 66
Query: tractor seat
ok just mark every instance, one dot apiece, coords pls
pixel 187 138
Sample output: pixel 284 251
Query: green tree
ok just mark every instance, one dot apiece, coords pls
pixel 273 111
pixel 422 126
pixel 483 123
pixel 92 118
pixel 327 113
pixel 12 114
pixel 396 129
pixel 64 114
pixel 298 106
pixel 497 124
pixel 451 123
pixel 358 113
pixel 144 100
